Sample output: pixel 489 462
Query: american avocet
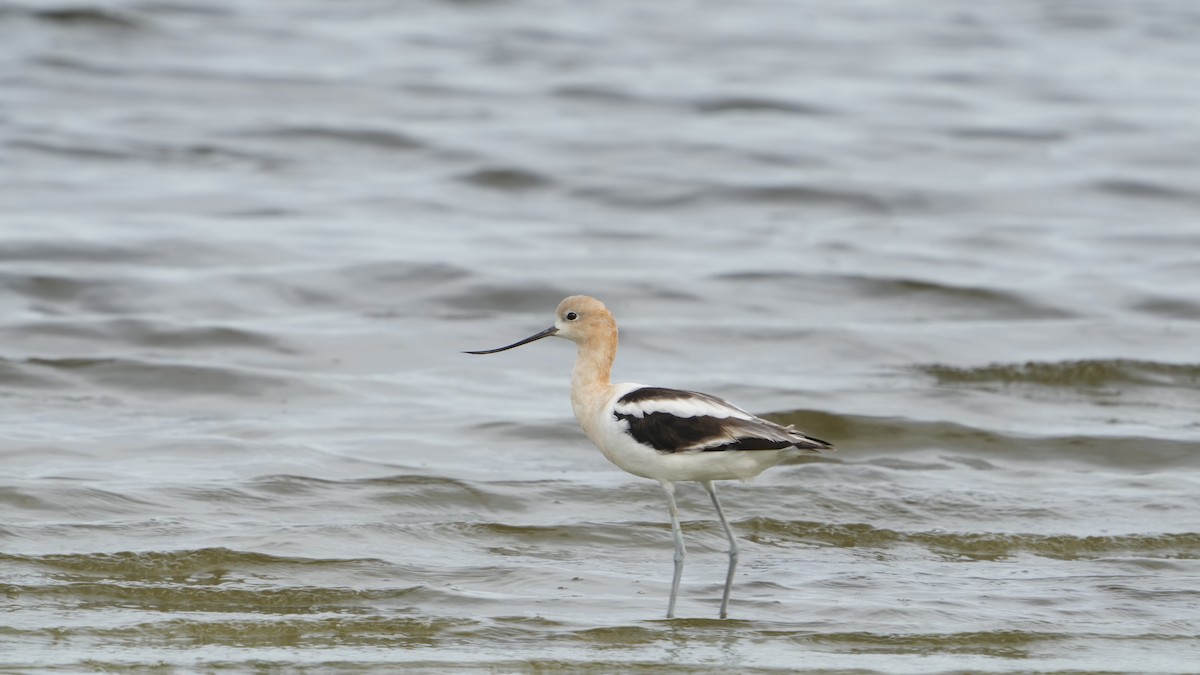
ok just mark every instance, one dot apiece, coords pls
pixel 668 435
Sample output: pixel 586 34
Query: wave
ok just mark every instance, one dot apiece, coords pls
pixel 943 298
pixel 140 150
pixel 375 139
pixel 80 16
pixel 866 200
pixel 141 376
pixel 167 565
pixel 891 434
pixel 185 597
pixel 977 546
pixel 152 334
pixel 1088 373
pixel 717 104
pixel 1141 189
pixel 419 495
pixel 531 297
pixel 506 178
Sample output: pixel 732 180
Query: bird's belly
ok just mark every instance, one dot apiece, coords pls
pixel 642 460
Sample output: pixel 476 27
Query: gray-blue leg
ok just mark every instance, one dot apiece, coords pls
pixel 733 549
pixel 680 552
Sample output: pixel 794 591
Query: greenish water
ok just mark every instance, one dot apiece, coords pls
pixel 241 248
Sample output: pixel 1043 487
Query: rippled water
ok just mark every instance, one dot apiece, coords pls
pixel 242 245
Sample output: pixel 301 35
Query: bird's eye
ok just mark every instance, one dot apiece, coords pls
pixel 570 316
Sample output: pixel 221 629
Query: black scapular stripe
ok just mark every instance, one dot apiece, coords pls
pixel 669 433
pixel 665 394
pixel 660 393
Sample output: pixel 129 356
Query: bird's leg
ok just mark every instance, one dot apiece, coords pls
pixel 680 552
pixel 733 549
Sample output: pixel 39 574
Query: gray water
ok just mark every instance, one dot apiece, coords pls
pixel 243 243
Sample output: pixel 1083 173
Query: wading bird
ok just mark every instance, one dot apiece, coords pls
pixel 668 435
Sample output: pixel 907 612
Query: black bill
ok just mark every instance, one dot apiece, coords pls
pixel 546 333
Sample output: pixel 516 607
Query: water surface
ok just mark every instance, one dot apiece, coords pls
pixel 242 246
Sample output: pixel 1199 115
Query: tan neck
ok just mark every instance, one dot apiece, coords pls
pixel 593 372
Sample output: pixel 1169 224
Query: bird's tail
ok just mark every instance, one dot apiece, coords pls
pixel 808 443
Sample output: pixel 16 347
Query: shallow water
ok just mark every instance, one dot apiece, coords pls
pixel 241 247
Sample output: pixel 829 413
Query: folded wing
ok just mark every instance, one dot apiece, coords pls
pixel 675 420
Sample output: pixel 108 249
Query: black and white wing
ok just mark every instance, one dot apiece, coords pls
pixel 674 420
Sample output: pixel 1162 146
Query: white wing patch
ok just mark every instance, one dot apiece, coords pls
pixel 677 402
